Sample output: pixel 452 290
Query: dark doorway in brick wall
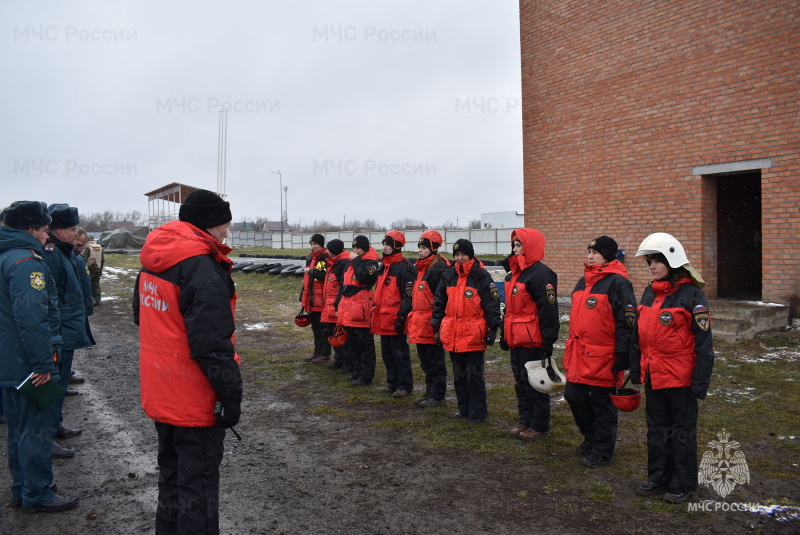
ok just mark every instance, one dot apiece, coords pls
pixel 739 235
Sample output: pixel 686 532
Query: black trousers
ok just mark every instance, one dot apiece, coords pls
pixel 469 383
pixel 188 479
pixel 431 359
pixel 672 438
pixel 361 344
pixel 397 359
pixel 533 406
pixel 322 348
pixel 595 415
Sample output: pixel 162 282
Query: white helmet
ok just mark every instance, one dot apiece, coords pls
pixel 545 376
pixel 666 244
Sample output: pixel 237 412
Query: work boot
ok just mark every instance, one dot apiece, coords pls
pixel 424 397
pixel 649 488
pixel 76 379
pixel 431 403
pixel 530 434
pixel 66 432
pixel 517 430
pixel 400 393
pixel 678 497
pixel 595 460
pixel 60 452
pixel 53 505
pixel 585 448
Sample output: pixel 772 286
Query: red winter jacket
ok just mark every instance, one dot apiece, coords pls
pixel 313 294
pixel 418 325
pixel 184 304
pixel 466 306
pixel 673 336
pixel 531 317
pixel 333 281
pixel 356 294
pixel 396 273
pixel 602 315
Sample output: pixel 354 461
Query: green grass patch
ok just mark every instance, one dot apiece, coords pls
pixel 599 492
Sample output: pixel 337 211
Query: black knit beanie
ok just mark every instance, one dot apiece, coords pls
pixel 205 209
pixel 605 246
pixel 319 239
pixel 335 247
pixel 64 216
pixel 25 214
pixel 464 246
pixel 362 242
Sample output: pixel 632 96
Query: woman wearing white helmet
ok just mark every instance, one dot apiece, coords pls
pixel 672 354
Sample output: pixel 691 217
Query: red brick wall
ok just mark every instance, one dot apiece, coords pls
pixel 622 98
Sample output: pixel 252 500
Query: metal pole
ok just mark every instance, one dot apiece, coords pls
pixel 280 192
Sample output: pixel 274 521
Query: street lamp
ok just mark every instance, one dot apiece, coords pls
pixel 280 192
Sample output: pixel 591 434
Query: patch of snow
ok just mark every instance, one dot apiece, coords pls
pixel 256 326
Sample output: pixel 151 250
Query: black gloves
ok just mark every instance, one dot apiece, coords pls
pixel 227 416
pixel 635 378
pixel 400 325
pixel 620 363
pixel 436 337
pixel 547 351
pixel 491 336
pixel 503 343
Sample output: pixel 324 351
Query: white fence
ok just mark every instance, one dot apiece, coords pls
pixel 485 241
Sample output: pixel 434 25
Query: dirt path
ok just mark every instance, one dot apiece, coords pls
pixel 301 472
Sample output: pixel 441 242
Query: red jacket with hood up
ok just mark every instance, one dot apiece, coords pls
pixel 531 317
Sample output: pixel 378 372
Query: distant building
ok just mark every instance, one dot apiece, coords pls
pixel 513 220
pixel 679 117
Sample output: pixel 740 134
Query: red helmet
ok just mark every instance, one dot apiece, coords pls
pixel 431 239
pixel 398 239
pixel 339 336
pixel 302 319
pixel 626 399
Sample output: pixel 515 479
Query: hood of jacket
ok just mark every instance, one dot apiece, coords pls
pixel 12 238
pixel 372 254
pixel 533 243
pixel 176 241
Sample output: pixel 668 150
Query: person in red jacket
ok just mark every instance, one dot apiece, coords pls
pixel 311 296
pixel 600 323
pixel 430 267
pixel 673 355
pixel 530 327
pixel 335 267
pixel 184 302
pixel 354 306
pixel 466 316
pixel 394 277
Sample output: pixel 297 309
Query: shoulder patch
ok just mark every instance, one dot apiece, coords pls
pixel 371 270
pixel 493 291
pixel 37 280
pixel 550 291
pixel 701 317
pixel 49 247
pixel 630 315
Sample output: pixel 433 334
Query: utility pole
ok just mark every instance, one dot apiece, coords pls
pixel 280 192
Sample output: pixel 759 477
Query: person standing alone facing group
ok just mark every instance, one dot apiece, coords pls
pixel 184 303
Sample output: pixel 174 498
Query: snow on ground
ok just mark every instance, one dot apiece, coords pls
pixel 112 273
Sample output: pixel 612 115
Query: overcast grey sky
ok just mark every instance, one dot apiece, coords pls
pixel 369 109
